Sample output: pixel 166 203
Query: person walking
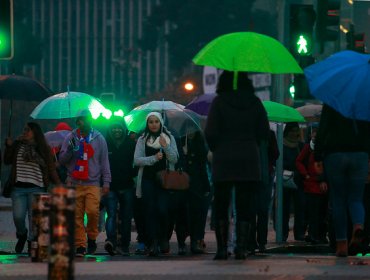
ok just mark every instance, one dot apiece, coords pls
pixel 342 150
pixel 316 190
pixel 237 122
pixel 155 150
pixel 121 148
pixel 32 170
pixel 85 154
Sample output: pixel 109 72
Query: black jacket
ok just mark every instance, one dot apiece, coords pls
pixel 121 160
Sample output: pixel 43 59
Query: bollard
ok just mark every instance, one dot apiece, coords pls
pixel 40 227
pixel 62 221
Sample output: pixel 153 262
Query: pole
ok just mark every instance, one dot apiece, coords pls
pixel 62 225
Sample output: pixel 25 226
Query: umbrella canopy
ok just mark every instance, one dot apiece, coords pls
pixel 247 52
pixel 22 88
pixel 177 119
pixel 277 112
pixel 56 138
pixel 201 104
pixel 342 81
pixel 67 105
pixel 311 112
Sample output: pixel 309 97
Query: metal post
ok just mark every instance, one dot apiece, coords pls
pixel 62 226
pixel 40 227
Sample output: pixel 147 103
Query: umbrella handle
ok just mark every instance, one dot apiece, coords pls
pixel 10 118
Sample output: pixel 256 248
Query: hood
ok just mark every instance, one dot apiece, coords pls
pixel 239 100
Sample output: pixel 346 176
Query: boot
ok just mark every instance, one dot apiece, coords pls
pixel 357 244
pixel 222 230
pixel 242 237
pixel 342 248
pixel 196 247
pixel 21 242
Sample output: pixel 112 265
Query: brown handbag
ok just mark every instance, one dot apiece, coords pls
pixel 176 180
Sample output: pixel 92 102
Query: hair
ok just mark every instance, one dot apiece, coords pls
pixel 226 82
pixel 41 145
pixel 147 131
pixel 288 127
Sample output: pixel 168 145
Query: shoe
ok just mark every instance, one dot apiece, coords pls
pixel 356 245
pixel 108 246
pixel 261 248
pixel 20 243
pixel 125 251
pixel 165 247
pixel 80 251
pixel 182 250
pixel 140 249
pixel 91 246
pixel 153 249
pixel 196 247
pixel 342 248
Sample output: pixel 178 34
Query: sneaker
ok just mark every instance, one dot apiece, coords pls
pixel 140 249
pixel 108 246
pixel 80 251
pixel 165 247
pixel 91 246
pixel 124 251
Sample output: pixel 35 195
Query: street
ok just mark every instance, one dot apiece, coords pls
pixel 280 262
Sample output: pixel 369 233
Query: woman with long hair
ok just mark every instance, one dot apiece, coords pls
pixel 32 170
pixel 155 150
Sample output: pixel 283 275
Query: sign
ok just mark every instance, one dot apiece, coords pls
pixel 210 78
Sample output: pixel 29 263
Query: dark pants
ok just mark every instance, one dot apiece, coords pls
pixel 317 205
pixel 244 194
pixel 139 219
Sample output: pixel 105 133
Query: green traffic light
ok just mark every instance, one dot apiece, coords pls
pixel 292 90
pixel 303 45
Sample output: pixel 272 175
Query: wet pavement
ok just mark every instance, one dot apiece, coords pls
pixel 294 260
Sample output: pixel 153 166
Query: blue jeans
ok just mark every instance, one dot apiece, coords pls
pixel 125 200
pixel 22 206
pixel 346 173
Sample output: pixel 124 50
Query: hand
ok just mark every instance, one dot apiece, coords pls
pixel 323 187
pixel 162 141
pixel 105 190
pixel 8 141
pixel 319 167
pixel 159 155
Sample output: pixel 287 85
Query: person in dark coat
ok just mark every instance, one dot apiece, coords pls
pixel 195 164
pixel 236 124
pixel 121 148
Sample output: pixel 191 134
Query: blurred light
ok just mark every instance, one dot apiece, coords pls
pixel 343 29
pixel 107 114
pixel 189 86
pixel 292 90
pixel 119 113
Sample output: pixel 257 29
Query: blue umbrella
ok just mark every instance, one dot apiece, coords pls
pixel 342 81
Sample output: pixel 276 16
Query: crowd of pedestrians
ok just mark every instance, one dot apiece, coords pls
pixel 118 172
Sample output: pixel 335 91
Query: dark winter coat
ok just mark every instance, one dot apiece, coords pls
pixel 195 164
pixel 121 161
pixel 237 122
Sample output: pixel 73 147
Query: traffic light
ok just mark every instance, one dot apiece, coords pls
pixel 302 20
pixel 355 41
pixel 6 29
pixel 328 16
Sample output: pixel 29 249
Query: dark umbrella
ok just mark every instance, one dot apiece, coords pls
pixel 201 104
pixel 14 87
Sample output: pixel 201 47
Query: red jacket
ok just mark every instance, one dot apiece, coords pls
pixel 305 166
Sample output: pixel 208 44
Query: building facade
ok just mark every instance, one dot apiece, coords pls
pixel 93 46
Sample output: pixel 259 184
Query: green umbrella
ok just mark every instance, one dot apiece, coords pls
pixel 247 52
pixel 67 105
pixel 177 119
pixel 277 112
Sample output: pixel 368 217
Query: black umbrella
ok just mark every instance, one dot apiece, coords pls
pixel 14 87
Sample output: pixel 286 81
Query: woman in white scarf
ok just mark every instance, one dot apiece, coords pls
pixel 155 150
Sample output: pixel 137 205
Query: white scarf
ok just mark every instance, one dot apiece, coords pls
pixel 154 143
